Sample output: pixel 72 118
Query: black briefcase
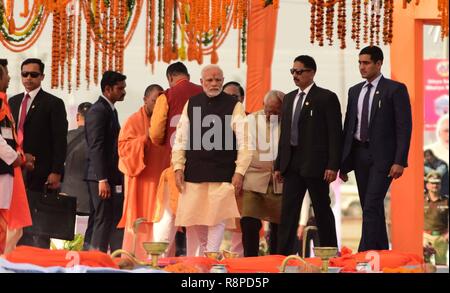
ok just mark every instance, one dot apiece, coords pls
pixel 53 214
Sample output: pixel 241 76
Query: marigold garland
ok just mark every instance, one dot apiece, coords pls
pixel 110 24
pixel 56 43
pixel 78 51
pixel 341 23
pixel 71 42
pixel 104 34
pixel 443 7
pixel 329 15
pixel 368 16
pixel 366 21
pixel 372 23
pixel 378 21
pixel 113 15
pixel 97 39
pixel 312 27
pixel 63 45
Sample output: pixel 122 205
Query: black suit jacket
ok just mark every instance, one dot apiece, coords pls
pixel 390 125
pixel 320 133
pixel 45 132
pixel 102 133
pixel 75 169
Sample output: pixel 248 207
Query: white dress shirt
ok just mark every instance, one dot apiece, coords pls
pixel 109 102
pixel 32 95
pixel 306 91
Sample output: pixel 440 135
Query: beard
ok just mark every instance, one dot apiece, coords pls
pixel 212 93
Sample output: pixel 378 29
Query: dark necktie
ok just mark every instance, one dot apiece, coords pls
pixel 116 118
pixel 22 118
pixel 364 130
pixel 294 125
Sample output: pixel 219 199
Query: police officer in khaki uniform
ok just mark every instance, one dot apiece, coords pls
pixel 436 218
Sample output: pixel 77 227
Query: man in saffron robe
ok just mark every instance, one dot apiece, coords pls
pixel 140 161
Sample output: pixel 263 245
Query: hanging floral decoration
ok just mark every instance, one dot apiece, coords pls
pixel 174 29
pixel 110 25
pixel 443 6
pixel 203 26
pixel 372 21
pixel 20 38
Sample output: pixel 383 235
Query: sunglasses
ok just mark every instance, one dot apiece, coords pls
pixel 32 74
pixel 299 71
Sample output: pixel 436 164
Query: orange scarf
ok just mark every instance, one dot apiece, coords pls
pixel 5 111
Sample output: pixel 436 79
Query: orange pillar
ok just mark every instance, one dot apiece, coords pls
pixel 262 26
pixel 407 67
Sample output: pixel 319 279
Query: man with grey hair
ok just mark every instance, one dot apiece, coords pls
pixel 210 157
pixel 262 194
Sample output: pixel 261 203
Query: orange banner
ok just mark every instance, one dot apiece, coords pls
pixel 262 25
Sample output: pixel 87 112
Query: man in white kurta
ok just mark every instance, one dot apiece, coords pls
pixel 210 157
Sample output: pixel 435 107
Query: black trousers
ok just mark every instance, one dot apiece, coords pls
pixel 372 187
pixel 106 214
pixel 294 189
pixel 180 243
pixel 250 236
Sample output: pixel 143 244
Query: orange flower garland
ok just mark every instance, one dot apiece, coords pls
pixel 341 23
pixel 104 34
pixel 313 21
pixel 371 22
pixel 112 32
pixel 443 10
pixel 70 41
pixel 377 23
pixel 387 23
pixel 329 21
pixel 317 21
pixel 147 33
pixel 151 33
pixel 63 46
pixel 78 52
pixel 56 43
pixel 96 37
pixel 366 21
pixel 88 56
pixel 186 28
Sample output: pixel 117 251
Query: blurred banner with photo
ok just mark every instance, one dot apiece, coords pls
pixel 435 91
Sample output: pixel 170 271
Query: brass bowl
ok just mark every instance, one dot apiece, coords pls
pixel 217 255
pixel 155 247
pixel 230 254
pixel 325 252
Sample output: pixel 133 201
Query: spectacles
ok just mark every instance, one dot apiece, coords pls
pixel 299 71
pixel 32 74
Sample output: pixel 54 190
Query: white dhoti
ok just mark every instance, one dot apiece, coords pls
pixel 205 209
